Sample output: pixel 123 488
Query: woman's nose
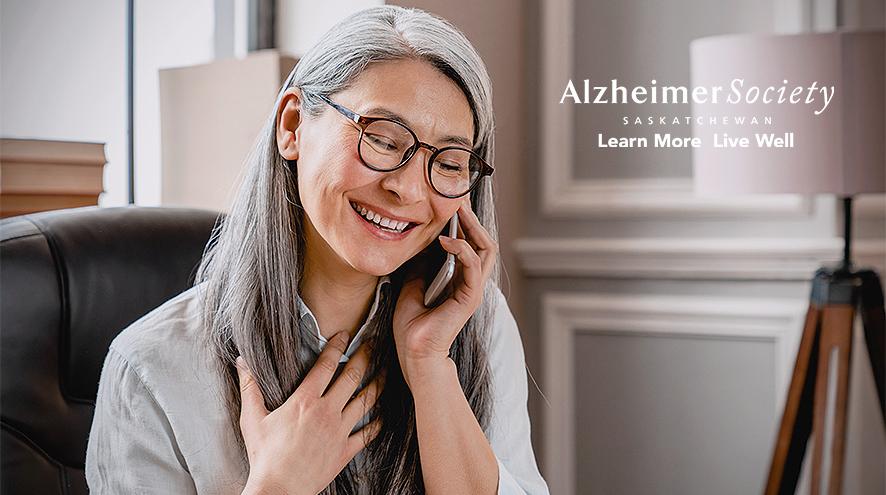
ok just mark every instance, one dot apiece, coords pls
pixel 409 182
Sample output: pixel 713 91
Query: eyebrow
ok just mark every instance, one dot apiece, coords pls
pixel 384 112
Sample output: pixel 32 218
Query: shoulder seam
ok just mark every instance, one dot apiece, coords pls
pixel 113 349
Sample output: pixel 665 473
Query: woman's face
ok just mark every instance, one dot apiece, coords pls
pixel 331 177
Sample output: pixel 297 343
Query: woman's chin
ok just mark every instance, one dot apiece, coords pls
pixel 377 267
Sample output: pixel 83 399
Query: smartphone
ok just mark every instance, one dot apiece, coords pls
pixel 446 271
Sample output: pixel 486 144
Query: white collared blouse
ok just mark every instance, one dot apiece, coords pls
pixel 160 423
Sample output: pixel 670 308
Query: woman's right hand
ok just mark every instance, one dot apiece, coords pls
pixel 300 447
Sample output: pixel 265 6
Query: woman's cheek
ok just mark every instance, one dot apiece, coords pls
pixel 331 180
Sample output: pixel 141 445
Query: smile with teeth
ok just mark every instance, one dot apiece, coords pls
pixel 383 223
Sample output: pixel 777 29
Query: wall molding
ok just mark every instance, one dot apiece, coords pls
pixel 690 258
pixel 567 314
pixel 566 196
pixel 563 195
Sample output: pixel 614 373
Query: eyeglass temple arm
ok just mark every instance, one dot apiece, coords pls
pixel 342 110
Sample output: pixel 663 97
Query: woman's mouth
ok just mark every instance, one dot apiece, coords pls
pixel 381 226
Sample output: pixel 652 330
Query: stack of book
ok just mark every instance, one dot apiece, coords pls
pixel 39 175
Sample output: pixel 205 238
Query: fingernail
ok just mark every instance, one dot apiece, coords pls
pixel 240 362
pixel 444 239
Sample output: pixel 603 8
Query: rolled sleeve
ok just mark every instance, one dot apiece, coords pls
pixel 132 448
pixel 510 432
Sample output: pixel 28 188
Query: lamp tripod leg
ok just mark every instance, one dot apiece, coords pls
pixel 831 398
pixel 796 420
pixel 874 322
pixel 818 397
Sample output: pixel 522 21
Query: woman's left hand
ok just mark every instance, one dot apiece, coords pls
pixel 423 336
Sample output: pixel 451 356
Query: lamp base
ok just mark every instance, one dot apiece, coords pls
pixel 825 351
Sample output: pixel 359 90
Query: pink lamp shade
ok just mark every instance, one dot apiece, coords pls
pixel 828 145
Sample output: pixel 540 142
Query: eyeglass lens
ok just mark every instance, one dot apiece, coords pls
pixel 386 144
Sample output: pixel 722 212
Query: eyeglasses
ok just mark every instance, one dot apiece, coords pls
pixel 385 145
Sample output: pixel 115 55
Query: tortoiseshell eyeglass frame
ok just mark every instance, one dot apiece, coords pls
pixel 362 122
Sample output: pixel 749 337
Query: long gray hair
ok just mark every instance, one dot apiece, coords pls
pixel 253 264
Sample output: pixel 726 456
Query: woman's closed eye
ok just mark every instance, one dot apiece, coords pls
pixel 449 168
pixel 382 143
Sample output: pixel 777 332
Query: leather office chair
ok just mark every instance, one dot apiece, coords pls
pixel 70 280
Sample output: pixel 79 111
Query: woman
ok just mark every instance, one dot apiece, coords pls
pixel 382 132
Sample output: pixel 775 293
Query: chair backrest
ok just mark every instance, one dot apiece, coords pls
pixel 70 280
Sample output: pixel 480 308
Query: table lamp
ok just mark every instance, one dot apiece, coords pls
pixel 813 110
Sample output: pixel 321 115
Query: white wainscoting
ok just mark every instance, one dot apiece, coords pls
pixel 691 258
pixel 563 195
pixel 566 314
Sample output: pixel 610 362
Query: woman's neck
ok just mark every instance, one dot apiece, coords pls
pixel 338 295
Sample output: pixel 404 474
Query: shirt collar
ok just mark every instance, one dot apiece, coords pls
pixel 308 318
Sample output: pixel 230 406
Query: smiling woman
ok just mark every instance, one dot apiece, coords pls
pixel 330 155
pixel 304 359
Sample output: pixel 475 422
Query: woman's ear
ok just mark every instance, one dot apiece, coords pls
pixel 287 124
